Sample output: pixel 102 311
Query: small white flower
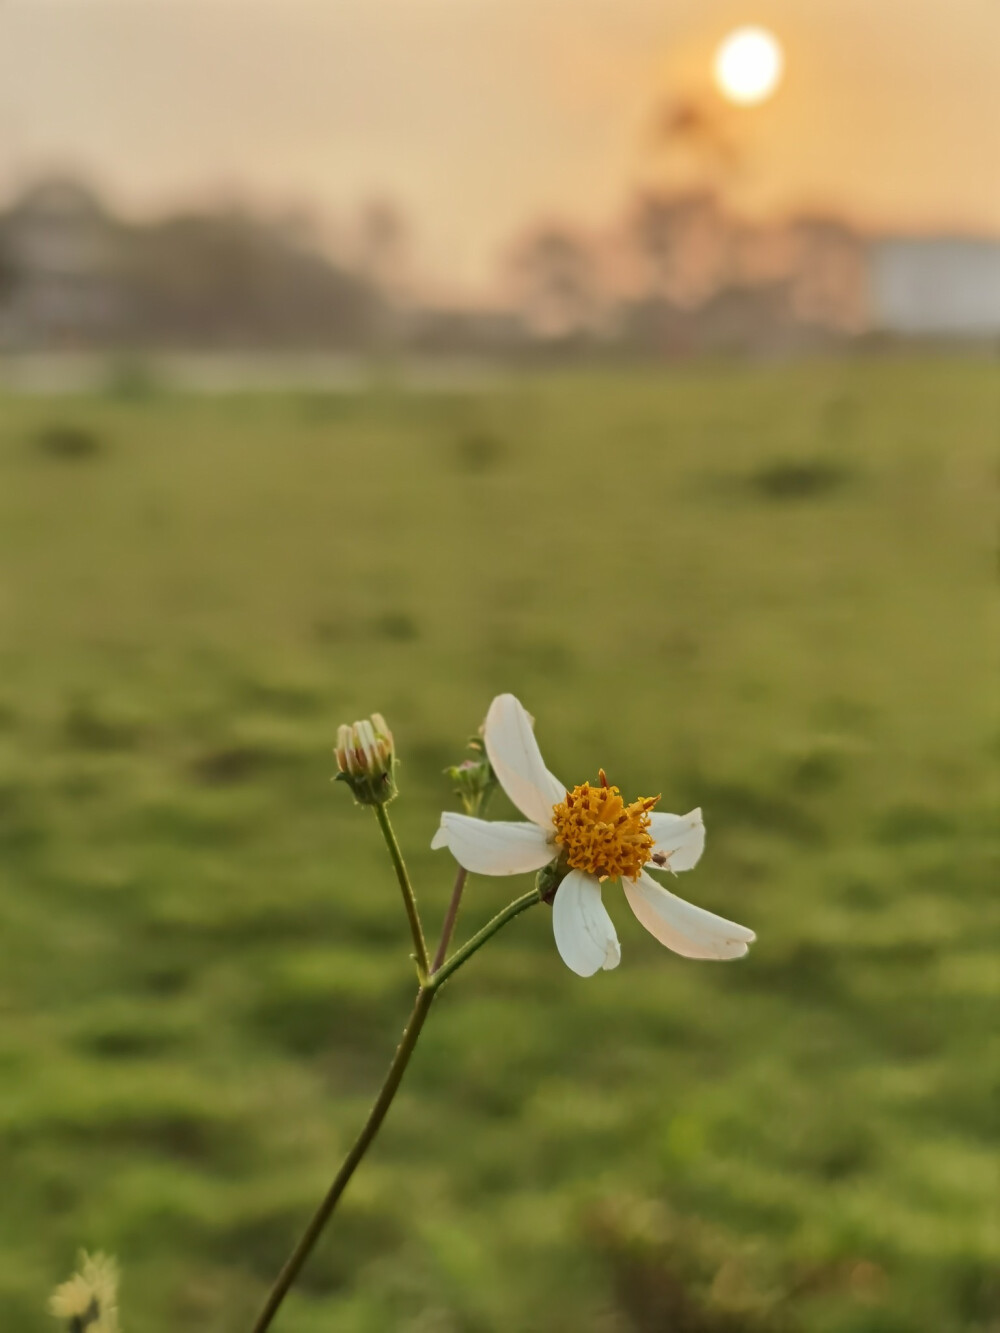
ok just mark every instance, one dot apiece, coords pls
pixel 597 837
pixel 88 1302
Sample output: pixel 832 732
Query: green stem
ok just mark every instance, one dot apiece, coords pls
pixel 409 897
pixel 293 1266
pixel 462 955
pixel 421 1008
pixel 451 916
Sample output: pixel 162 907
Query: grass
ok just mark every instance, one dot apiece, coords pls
pixel 764 591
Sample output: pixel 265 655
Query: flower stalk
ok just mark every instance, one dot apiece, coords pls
pixel 429 987
pixel 409 897
pixel 450 918
pixel 296 1260
pixel 462 955
pixel 474 805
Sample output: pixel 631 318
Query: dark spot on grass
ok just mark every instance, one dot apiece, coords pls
pixel 397 626
pixel 799 479
pixel 835 1152
pixel 166 978
pixel 805 971
pixel 127 1043
pixel 479 451
pixel 916 956
pixel 912 823
pixel 861 895
pixel 67 443
pixel 297 1023
pixel 841 1162
pixel 732 803
pixel 817 772
pixel 178 1135
pixel 21 829
pixel 277 697
pixel 228 766
pixel 87 728
pixel 310 1023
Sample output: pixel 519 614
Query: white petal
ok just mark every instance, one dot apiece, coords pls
pixel 492 847
pixel 585 934
pixel 517 760
pixel 680 838
pixel 688 930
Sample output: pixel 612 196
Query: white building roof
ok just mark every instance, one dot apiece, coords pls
pixel 942 285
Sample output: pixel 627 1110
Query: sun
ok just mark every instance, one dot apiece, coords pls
pixel 748 65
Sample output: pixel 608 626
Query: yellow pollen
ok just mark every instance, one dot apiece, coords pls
pixel 602 835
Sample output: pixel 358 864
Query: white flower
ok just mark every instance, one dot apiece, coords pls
pixel 89 1300
pixel 598 838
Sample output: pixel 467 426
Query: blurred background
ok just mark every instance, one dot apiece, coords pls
pixel 390 355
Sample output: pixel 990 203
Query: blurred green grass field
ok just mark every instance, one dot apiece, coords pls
pixel 765 591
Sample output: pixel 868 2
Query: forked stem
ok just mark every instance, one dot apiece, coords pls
pixel 462 955
pixel 421 1008
pixel 312 1233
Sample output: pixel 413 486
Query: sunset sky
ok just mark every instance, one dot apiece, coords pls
pixel 479 115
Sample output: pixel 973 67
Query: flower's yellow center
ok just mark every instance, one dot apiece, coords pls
pixel 602 835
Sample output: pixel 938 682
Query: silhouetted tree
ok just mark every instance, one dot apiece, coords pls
pixel 553 270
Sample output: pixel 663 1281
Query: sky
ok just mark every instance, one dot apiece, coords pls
pixel 479 116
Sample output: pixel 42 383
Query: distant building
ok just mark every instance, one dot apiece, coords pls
pixel 72 275
pixel 58 245
pixel 939 286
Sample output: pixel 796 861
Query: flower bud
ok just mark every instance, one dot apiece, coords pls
pixel 366 759
pixel 549 878
pixel 474 778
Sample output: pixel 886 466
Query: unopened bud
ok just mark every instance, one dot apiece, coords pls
pixel 549 878
pixel 474 778
pixel 366 759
